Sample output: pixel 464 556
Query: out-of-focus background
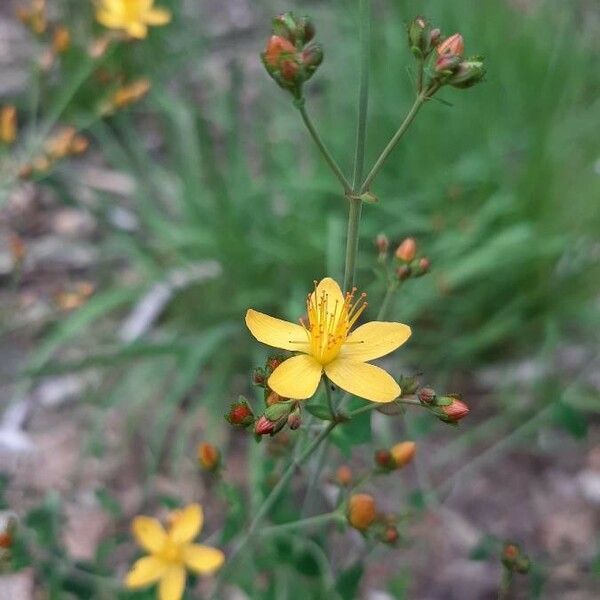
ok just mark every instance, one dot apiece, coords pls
pixel 125 273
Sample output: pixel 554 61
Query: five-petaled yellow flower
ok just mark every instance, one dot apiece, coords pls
pixel 132 16
pixel 326 344
pixel 171 552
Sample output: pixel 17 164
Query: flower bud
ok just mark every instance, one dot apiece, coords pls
pixel 259 377
pixel 384 459
pixel 264 426
pixel 288 27
pixel 343 476
pixel 417 41
pixel 514 559
pixel 468 74
pixel 423 266
pixel 434 37
pixel 61 39
pixel 240 414
pixel 273 362
pixel 312 57
pixel 294 419
pixel 390 535
pixel 403 453
pixel 455 44
pixel 453 411
pixel 308 29
pixel 426 396
pixel 447 64
pixel 277 46
pixel 382 244
pixel 407 250
pixel 209 456
pixel 8 124
pixel 361 511
pixel 273 398
pixel 403 273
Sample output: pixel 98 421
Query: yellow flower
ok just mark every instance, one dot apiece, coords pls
pixel 171 552
pixel 327 345
pixel 132 16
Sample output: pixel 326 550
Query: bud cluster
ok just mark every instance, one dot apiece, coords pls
pixel 449 408
pixel 449 66
pixel 514 560
pixel 362 514
pixel 396 457
pixel 64 143
pixel 291 57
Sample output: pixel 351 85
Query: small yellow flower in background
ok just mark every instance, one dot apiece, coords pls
pixel 171 552
pixel 326 345
pixel 132 16
pixel 34 16
pixel 8 124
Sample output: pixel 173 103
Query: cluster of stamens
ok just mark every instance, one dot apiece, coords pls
pixel 329 325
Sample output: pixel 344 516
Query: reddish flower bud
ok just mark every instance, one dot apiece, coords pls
pixel 435 37
pixel 361 511
pixel 390 535
pixel 424 266
pixel 382 244
pixel 273 362
pixel 264 426
pixel 426 396
pixel 343 476
pixel 403 453
pixel 209 456
pixel 384 459
pixel 294 420
pixel 240 414
pixel 312 57
pixel 403 273
pixel 6 540
pixel 259 377
pixel 289 69
pixel 273 398
pixel 455 44
pixel 447 63
pixel 276 47
pixel 455 411
pixel 407 250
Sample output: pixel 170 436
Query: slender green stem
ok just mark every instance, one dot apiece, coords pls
pixel 268 504
pixel 363 95
pixel 373 405
pixel 421 99
pixel 505 584
pixel 302 523
pixel 300 105
pixel 352 242
pixel 420 73
pixel 387 299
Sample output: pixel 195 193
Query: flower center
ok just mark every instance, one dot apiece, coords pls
pixel 170 552
pixel 330 321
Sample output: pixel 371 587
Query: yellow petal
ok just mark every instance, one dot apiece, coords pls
pixel 137 30
pixel 172 584
pixel 363 380
pixel 276 332
pixel 296 377
pixel 335 298
pixel 108 19
pixel 375 339
pixel 157 16
pixel 202 559
pixel 145 571
pixel 186 524
pixel 148 533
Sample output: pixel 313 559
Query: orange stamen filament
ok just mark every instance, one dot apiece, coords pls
pixel 329 326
